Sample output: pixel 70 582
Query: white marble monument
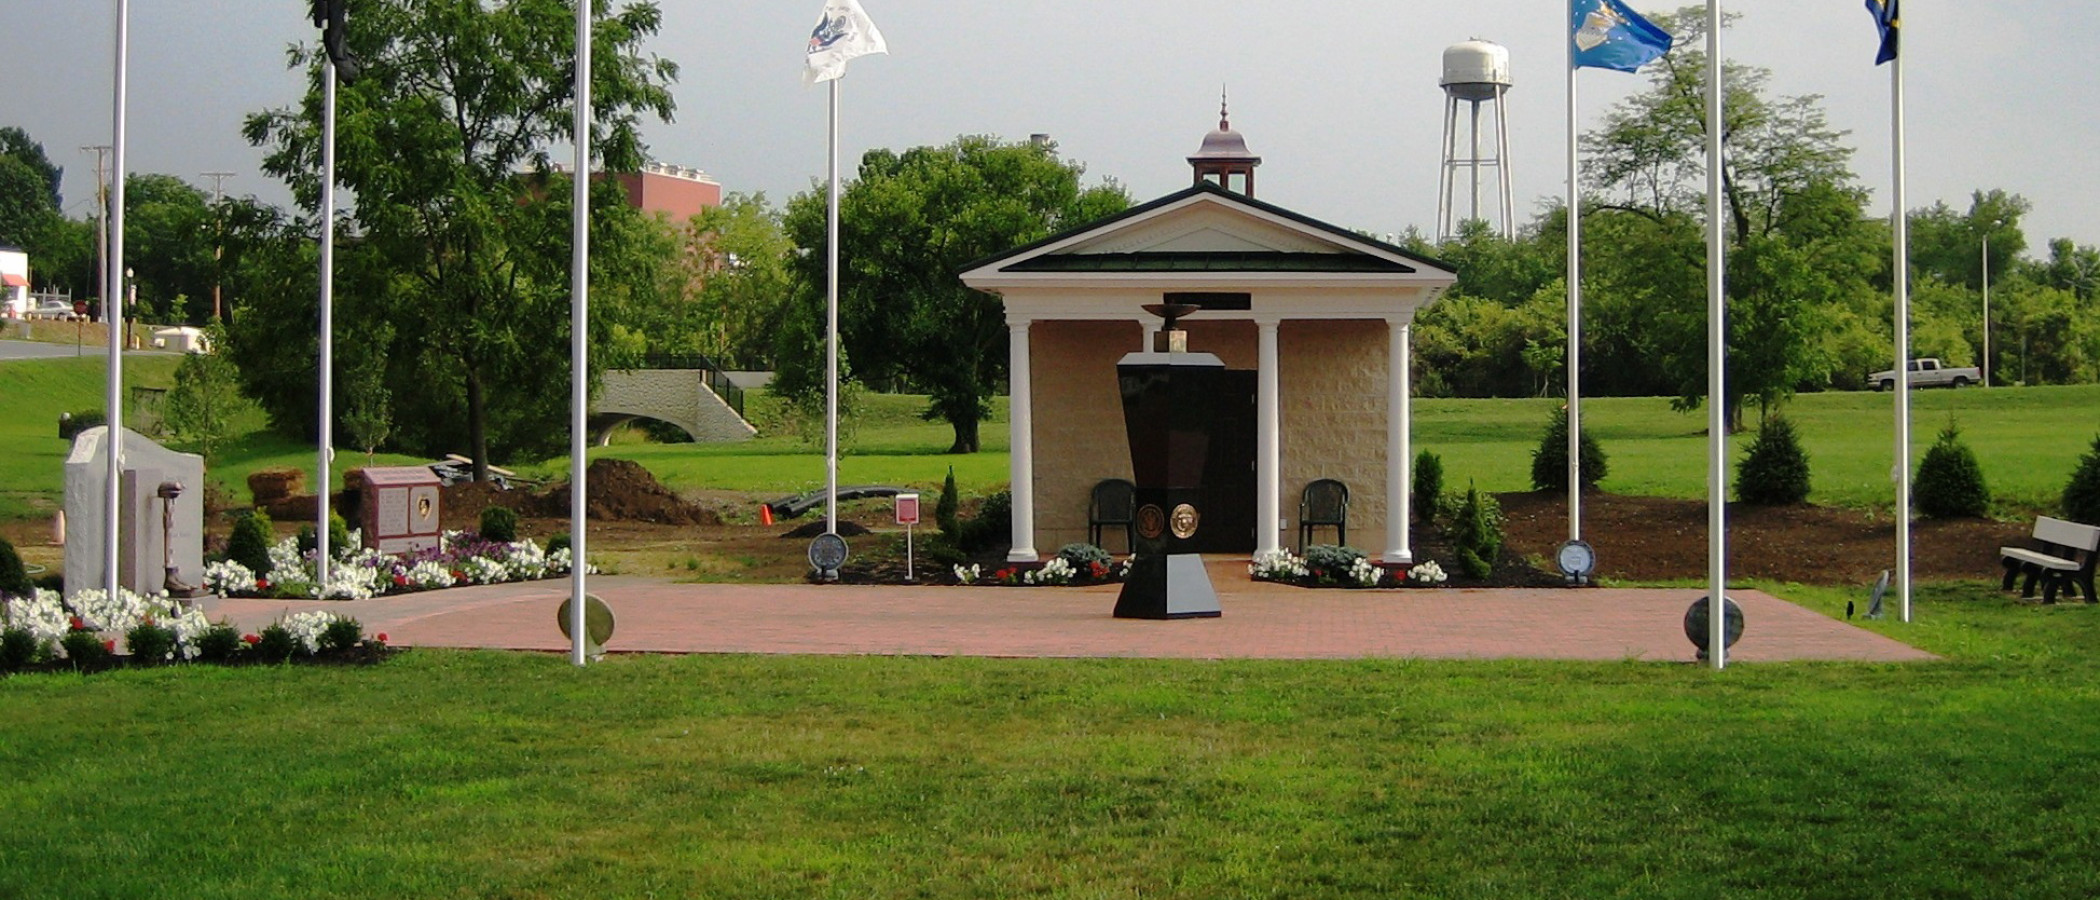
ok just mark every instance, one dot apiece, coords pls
pixel 144 552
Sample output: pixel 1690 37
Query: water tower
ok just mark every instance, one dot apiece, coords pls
pixel 1475 72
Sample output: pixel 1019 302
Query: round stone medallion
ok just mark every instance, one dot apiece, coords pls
pixel 1151 521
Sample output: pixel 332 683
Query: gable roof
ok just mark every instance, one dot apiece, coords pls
pixel 1206 228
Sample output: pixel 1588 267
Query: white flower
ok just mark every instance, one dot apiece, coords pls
pixel 1364 573
pixel 1056 571
pixel 969 575
pixel 1427 573
pixel 306 628
pixel 1277 565
pixel 227 578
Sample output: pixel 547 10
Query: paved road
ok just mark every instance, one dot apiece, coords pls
pixel 40 350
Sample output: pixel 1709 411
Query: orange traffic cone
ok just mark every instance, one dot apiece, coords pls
pixel 765 514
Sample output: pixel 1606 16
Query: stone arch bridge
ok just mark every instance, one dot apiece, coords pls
pixel 689 394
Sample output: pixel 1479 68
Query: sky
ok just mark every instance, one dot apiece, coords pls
pixel 1339 97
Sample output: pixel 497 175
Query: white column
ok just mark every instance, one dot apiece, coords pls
pixel 1399 463
pixel 1268 445
pixel 1021 413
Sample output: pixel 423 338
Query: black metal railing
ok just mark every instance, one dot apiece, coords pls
pixel 717 380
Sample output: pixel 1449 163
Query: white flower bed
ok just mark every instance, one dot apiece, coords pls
pixel 360 574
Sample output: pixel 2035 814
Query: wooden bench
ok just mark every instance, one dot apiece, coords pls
pixel 2065 561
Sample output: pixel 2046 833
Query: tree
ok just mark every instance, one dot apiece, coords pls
pixel 201 405
pixel 470 258
pixel 369 414
pixel 1796 238
pixel 908 224
pixel 169 232
pixel 1948 246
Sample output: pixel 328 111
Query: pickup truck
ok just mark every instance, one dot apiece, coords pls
pixel 1928 372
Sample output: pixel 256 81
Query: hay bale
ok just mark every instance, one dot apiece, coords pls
pixel 271 486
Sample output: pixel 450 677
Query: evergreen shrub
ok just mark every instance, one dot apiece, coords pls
pixel 1549 463
pixel 1478 537
pixel 250 542
pixel 1950 482
pixel 1775 471
pixel 500 524
pixel 1429 487
pixel 14 577
pixel 2082 494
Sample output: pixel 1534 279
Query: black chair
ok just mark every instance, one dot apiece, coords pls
pixel 1324 504
pixel 1114 503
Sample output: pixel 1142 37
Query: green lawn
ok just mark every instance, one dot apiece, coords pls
pixel 2028 440
pixel 514 775
pixel 32 395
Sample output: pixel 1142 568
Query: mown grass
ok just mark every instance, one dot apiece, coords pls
pixel 886 442
pixel 32 395
pixel 2028 440
pixel 514 775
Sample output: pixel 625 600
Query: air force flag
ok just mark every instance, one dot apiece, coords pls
pixel 1608 35
pixel 845 32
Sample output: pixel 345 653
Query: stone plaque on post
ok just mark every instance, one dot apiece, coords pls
pixel 400 509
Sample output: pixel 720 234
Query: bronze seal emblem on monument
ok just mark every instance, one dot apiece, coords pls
pixel 1151 521
pixel 1184 521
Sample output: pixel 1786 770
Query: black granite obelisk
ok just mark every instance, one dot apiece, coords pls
pixel 1168 396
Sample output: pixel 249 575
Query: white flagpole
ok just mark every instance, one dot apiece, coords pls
pixel 113 314
pixel 579 327
pixel 1986 310
pixel 1901 219
pixel 1574 305
pixel 327 338
pixel 831 330
pixel 1716 357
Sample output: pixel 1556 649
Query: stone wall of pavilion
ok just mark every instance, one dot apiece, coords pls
pixel 1333 385
pixel 1333 416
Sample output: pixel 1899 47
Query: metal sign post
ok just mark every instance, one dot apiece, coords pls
pixel 907 516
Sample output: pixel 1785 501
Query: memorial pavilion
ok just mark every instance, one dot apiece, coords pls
pixel 1312 320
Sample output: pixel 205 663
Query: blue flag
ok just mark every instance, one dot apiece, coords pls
pixel 1885 18
pixel 1608 35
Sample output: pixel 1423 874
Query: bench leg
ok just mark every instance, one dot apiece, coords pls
pixel 2034 574
pixel 2012 572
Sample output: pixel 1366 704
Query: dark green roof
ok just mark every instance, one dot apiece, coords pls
pixel 1209 188
pixel 1209 261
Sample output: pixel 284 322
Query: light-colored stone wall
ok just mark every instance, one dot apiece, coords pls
pixel 1078 424
pixel 1333 381
pixel 678 396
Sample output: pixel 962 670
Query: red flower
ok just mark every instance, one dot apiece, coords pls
pixel 1098 569
pixel 1006 574
pixel 79 625
pixel 458 575
pixel 251 639
pixel 110 646
pixel 381 636
pixel 262 584
pixel 400 581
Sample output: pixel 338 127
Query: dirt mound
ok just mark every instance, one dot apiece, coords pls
pixel 620 490
pixel 1658 538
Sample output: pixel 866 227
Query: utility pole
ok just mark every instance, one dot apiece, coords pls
pixel 218 240
pixel 101 152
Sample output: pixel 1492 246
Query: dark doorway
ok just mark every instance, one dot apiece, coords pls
pixel 1228 469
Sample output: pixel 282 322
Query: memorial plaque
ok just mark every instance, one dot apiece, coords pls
pixel 401 506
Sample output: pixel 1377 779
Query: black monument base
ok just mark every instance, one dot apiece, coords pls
pixel 1170 586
